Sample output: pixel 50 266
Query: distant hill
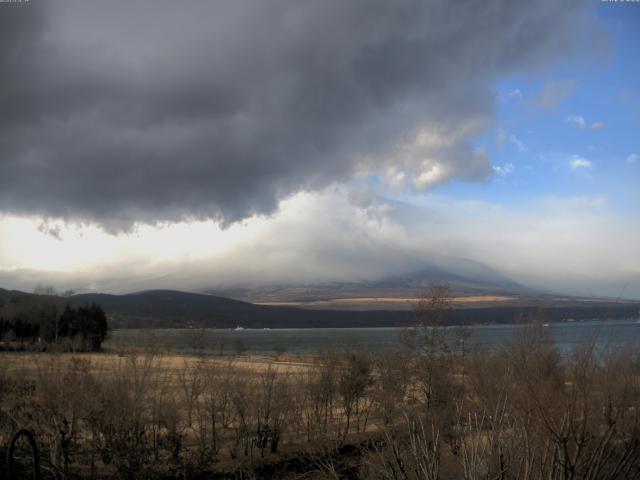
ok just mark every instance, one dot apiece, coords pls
pixel 6 295
pixel 170 308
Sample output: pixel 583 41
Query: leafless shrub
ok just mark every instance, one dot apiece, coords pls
pixel 60 407
pixel 273 409
pixel 526 411
pixel 407 451
pixel 354 379
pixel 121 420
pixel 392 383
pixel 319 387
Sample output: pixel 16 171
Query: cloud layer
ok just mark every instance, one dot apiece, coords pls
pixel 570 244
pixel 146 111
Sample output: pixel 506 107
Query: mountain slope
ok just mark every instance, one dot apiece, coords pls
pixel 6 295
pixel 467 278
pixel 168 308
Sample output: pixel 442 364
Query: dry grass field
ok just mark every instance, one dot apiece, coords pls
pixel 389 303
pixel 419 412
pixel 28 363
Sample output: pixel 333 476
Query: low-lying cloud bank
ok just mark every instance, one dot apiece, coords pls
pixel 574 245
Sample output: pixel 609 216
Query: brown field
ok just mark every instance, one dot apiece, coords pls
pixel 421 408
pixel 388 303
pixel 27 363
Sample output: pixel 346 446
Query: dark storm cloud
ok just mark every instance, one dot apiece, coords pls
pixel 119 112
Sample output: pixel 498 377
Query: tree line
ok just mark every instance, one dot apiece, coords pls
pixel 43 321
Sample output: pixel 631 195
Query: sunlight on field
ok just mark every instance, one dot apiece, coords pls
pixel 27 364
pixel 396 303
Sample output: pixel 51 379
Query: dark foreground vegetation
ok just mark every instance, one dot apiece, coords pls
pixel 430 410
pixel 46 321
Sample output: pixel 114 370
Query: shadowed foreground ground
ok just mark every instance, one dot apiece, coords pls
pixel 419 412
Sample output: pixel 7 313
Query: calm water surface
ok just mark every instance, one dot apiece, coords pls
pixel 316 340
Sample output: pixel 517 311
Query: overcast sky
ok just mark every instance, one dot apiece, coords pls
pixel 201 144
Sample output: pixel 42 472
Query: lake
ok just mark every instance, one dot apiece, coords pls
pixel 315 340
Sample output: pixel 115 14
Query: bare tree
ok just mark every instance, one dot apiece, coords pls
pixel 354 378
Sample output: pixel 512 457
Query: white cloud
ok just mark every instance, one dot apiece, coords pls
pixel 433 173
pixel 564 243
pixel 633 158
pixel 435 154
pixel 504 170
pixel 577 162
pixel 577 120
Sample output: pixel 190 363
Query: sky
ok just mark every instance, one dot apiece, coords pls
pixel 196 144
